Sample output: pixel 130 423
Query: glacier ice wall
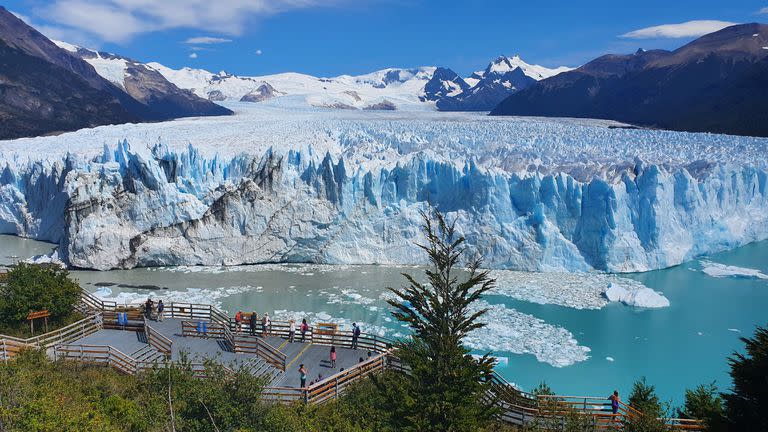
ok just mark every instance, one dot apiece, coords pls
pixel 124 208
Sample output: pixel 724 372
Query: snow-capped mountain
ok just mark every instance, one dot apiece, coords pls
pixel 145 84
pixel 716 83
pixel 389 87
pixel 501 78
pixel 416 88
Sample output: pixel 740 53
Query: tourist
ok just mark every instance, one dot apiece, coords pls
pixel 355 335
pixel 160 310
pixel 615 400
pixel 333 356
pixel 360 360
pixel 253 322
pixel 265 323
pixel 291 330
pixel 302 375
pixel 304 328
pixel 148 308
pixel 369 354
pixel 238 320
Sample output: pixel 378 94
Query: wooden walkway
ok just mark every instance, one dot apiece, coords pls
pixel 121 337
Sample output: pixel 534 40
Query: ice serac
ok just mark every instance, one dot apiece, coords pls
pixel 126 208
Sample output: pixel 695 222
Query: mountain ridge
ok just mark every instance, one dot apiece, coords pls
pixel 717 83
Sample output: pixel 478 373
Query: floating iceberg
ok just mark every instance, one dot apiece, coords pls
pixel 271 185
pixel 722 270
pixel 633 296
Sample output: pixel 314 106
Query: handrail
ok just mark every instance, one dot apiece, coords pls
pixel 98 354
pixel 335 384
pixel 244 343
pixel 157 340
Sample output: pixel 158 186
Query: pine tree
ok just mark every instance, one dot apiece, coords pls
pixel 445 386
pixel 704 403
pixel 649 412
pixel 746 406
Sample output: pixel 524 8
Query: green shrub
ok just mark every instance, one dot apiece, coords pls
pixel 746 406
pixel 30 287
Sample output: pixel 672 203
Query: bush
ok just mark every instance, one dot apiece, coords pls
pixel 704 403
pixel 30 287
pixel 643 398
pixel 746 406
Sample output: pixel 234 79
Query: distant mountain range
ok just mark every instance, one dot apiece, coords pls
pixel 717 83
pixel 423 87
pixel 46 89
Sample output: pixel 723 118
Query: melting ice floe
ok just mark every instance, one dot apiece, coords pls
pixel 722 270
pixel 212 296
pixel 630 296
pixel 575 290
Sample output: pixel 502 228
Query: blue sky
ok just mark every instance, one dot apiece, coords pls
pixel 332 37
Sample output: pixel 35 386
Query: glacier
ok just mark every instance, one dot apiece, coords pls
pixel 280 184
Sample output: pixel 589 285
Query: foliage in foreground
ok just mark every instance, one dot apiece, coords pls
pixel 746 406
pixel 445 387
pixel 30 287
pixel 37 395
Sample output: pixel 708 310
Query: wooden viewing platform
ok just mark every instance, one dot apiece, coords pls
pixel 121 337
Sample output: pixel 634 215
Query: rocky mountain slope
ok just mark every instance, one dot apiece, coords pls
pixel 717 83
pixel 503 76
pixel 46 89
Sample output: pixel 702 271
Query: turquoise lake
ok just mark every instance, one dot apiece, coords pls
pixel 677 347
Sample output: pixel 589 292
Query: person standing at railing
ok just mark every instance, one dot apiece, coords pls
pixel 303 375
pixel 253 322
pixel 304 329
pixel 615 400
pixel 148 308
pixel 355 335
pixel 238 320
pixel 265 323
pixel 160 310
pixel 291 330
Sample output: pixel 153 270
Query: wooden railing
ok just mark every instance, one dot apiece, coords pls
pixel 135 319
pixel 91 303
pixel 552 411
pixel 335 385
pixel 98 354
pixel 157 340
pixel 212 329
pixel 244 343
pixel 11 346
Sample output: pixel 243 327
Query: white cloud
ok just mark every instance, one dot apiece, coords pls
pixel 207 40
pixel 193 55
pixel 258 52
pixel 681 30
pixel 120 20
pixel 763 11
